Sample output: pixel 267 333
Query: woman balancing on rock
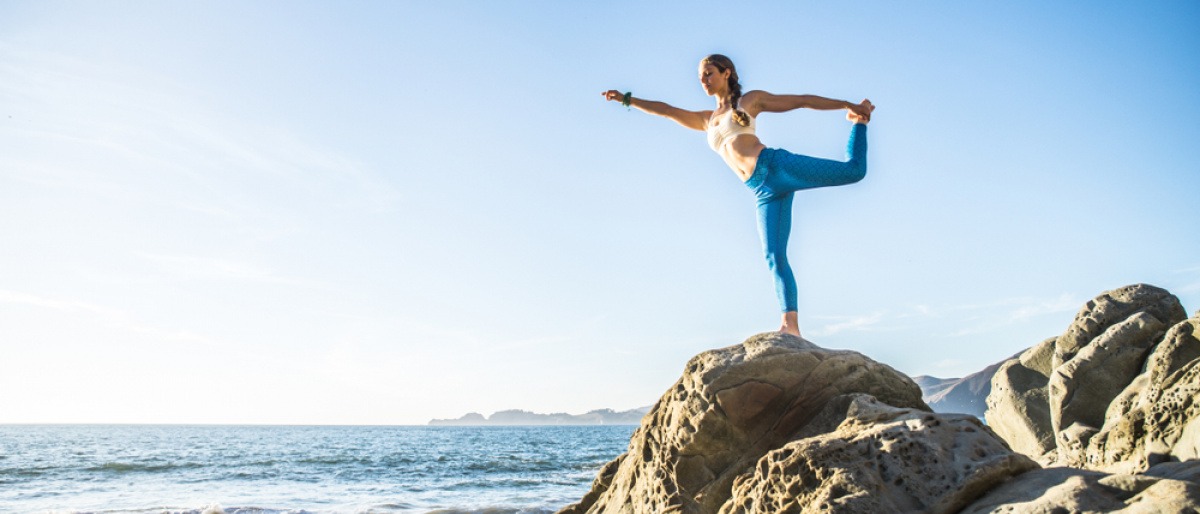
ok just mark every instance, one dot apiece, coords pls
pixel 772 174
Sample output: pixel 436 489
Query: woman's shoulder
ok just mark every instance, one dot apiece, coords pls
pixel 751 100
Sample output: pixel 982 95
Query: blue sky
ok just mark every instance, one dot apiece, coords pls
pixel 386 212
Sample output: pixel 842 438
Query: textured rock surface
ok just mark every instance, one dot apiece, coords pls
pixel 1069 490
pixel 778 425
pixel 1157 417
pixel 1082 387
pixel 1114 392
pixel 1018 408
pixel 1111 308
pixel 880 459
pixel 731 407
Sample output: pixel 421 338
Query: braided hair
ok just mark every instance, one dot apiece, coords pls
pixel 735 88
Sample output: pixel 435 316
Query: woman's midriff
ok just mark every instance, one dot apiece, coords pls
pixel 741 154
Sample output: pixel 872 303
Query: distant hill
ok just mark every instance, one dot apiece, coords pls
pixel 965 395
pixel 521 417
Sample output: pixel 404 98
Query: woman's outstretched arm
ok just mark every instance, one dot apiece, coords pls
pixel 696 120
pixel 762 101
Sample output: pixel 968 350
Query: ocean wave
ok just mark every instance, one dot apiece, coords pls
pixel 214 508
pixel 297 470
pixel 5 473
pixel 121 468
pixel 492 510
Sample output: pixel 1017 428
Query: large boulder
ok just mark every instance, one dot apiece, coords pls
pixel 730 408
pixel 1018 408
pixel 1087 398
pixel 1081 389
pixel 881 459
pixel 1103 349
pixel 1111 308
pixel 777 424
pixel 1157 417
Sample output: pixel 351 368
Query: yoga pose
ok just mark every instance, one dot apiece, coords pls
pixel 772 174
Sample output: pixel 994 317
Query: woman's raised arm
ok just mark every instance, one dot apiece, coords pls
pixel 696 120
pixel 762 101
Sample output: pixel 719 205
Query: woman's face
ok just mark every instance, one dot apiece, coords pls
pixel 713 80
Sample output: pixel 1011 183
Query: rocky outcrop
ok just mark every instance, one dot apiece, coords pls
pixel 1114 393
pixel 1018 408
pixel 758 425
pixel 1157 417
pixel 779 425
pixel 881 459
pixel 1081 491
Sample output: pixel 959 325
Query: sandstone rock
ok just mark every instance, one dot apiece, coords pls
pixel 881 459
pixel 731 407
pixel 1187 471
pixel 1096 396
pixel 1063 490
pixel 1081 389
pixel 1156 417
pixel 1017 406
pixel 1111 308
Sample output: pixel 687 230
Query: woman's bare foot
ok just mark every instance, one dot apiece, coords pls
pixel 790 325
pixel 861 113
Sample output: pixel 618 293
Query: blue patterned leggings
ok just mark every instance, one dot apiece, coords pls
pixel 780 173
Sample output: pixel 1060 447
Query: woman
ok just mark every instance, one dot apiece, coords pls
pixel 772 174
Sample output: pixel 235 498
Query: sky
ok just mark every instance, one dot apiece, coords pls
pixel 387 212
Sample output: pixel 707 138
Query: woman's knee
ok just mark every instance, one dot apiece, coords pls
pixel 857 170
pixel 776 258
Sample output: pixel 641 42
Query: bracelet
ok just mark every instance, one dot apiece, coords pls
pixel 628 98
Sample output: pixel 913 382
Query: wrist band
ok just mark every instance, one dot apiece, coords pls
pixel 628 98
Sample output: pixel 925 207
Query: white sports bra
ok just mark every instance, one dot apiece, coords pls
pixel 725 130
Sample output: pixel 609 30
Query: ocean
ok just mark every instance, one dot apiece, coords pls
pixel 300 469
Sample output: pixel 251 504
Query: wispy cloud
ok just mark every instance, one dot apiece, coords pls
pixel 1194 285
pixel 962 319
pixel 204 268
pixel 132 134
pixel 115 318
pixel 1029 307
pixel 1009 311
pixel 855 323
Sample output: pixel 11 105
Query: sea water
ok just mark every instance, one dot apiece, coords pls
pixel 300 469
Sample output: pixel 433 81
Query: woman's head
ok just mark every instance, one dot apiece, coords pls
pixel 712 69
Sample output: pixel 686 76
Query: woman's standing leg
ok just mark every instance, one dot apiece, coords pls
pixel 774 227
pixel 788 173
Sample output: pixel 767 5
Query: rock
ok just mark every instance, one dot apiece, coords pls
pixel 1081 389
pixel 880 459
pixel 779 425
pixel 1111 308
pixel 1157 419
pixel 1111 393
pixel 1054 490
pixel 1018 407
pixel 731 407
pixel 1187 471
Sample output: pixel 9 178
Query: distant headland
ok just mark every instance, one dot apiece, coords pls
pixel 521 417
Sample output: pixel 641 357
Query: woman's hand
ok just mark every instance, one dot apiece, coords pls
pixel 861 112
pixel 613 95
pixel 696 120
